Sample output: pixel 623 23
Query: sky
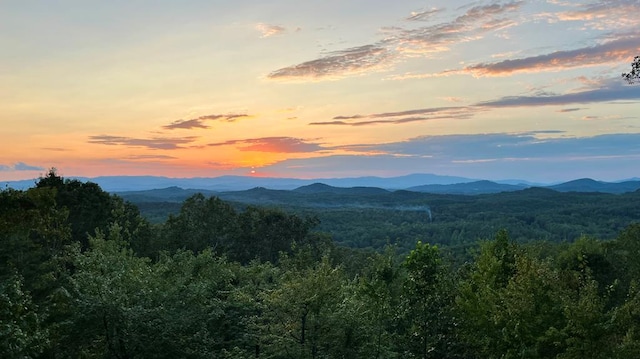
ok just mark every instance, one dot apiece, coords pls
pixel 494 90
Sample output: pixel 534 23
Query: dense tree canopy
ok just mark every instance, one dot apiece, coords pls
pixel 221 281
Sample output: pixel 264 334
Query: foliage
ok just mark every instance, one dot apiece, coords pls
pixel 301 313
pixel 202 223
pixel 90 208
pixel 429 318
pixel 255 233
pixel 454 222
pixel 128 307
pixel 633 75
pixel 227 281
pixel 32 231
pixel 21 332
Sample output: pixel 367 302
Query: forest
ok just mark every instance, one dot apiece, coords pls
pixel 529 274
pixel 372 218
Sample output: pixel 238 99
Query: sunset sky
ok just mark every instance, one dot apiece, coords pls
pixel 322 88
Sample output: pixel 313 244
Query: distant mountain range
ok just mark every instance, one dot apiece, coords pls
pixel 176 189
pixel 239 183
pixel 589 185
pixel 323 188
pixel 475 187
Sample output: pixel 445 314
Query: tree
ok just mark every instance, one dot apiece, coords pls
pixel 633 76
pixel 429 317
pixel 381 295
pixel 21 335
pixel 268 232
pixel 33 230
pixel 182 305
pixel 626 323
pixel 202 223
pixel 301 314
pixel 586 257
pixel 90 208
pixel 481 294
pixel 623 253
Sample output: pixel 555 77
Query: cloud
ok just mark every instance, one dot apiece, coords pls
pixel 609 14
pixel 612 90
pixel 615 51
pixel 356 60
pixel 199 122
pixel 274 145
pixel 536 149
pixel 185 124
pixel 423 15
pixel 149 157
pixel 156 143
pixel 597 91
pixel 472 25
pixel 324 123
pixel 268 30
pixel 425 114
pixel 381 55
pixel 502 146
pixel 20 166
pixel 620 49
pixel 453 147
pixel 534 156
pixel 605 118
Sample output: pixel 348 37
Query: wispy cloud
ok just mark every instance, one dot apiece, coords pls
pixel 451 146
pixel 602 15
pixel 612 90
pixel 472 25
pixel 20 166
pixel 381 55
pixel 536 156
pixel 423 15
pixel 268 30
pixel 274 145
pixel 149 157
pixel 605 118
pixel 425 114
pixel 502 146
pixel 155 143
pixel 597 91
pixel 615 51
pixel 338 64
pixel 509 146
pixel 619 50
pixel 199 122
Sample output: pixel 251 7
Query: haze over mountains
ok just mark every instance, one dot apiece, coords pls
pixel 179 187
pixel 239 183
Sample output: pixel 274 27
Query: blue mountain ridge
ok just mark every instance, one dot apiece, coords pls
pixel 364 185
